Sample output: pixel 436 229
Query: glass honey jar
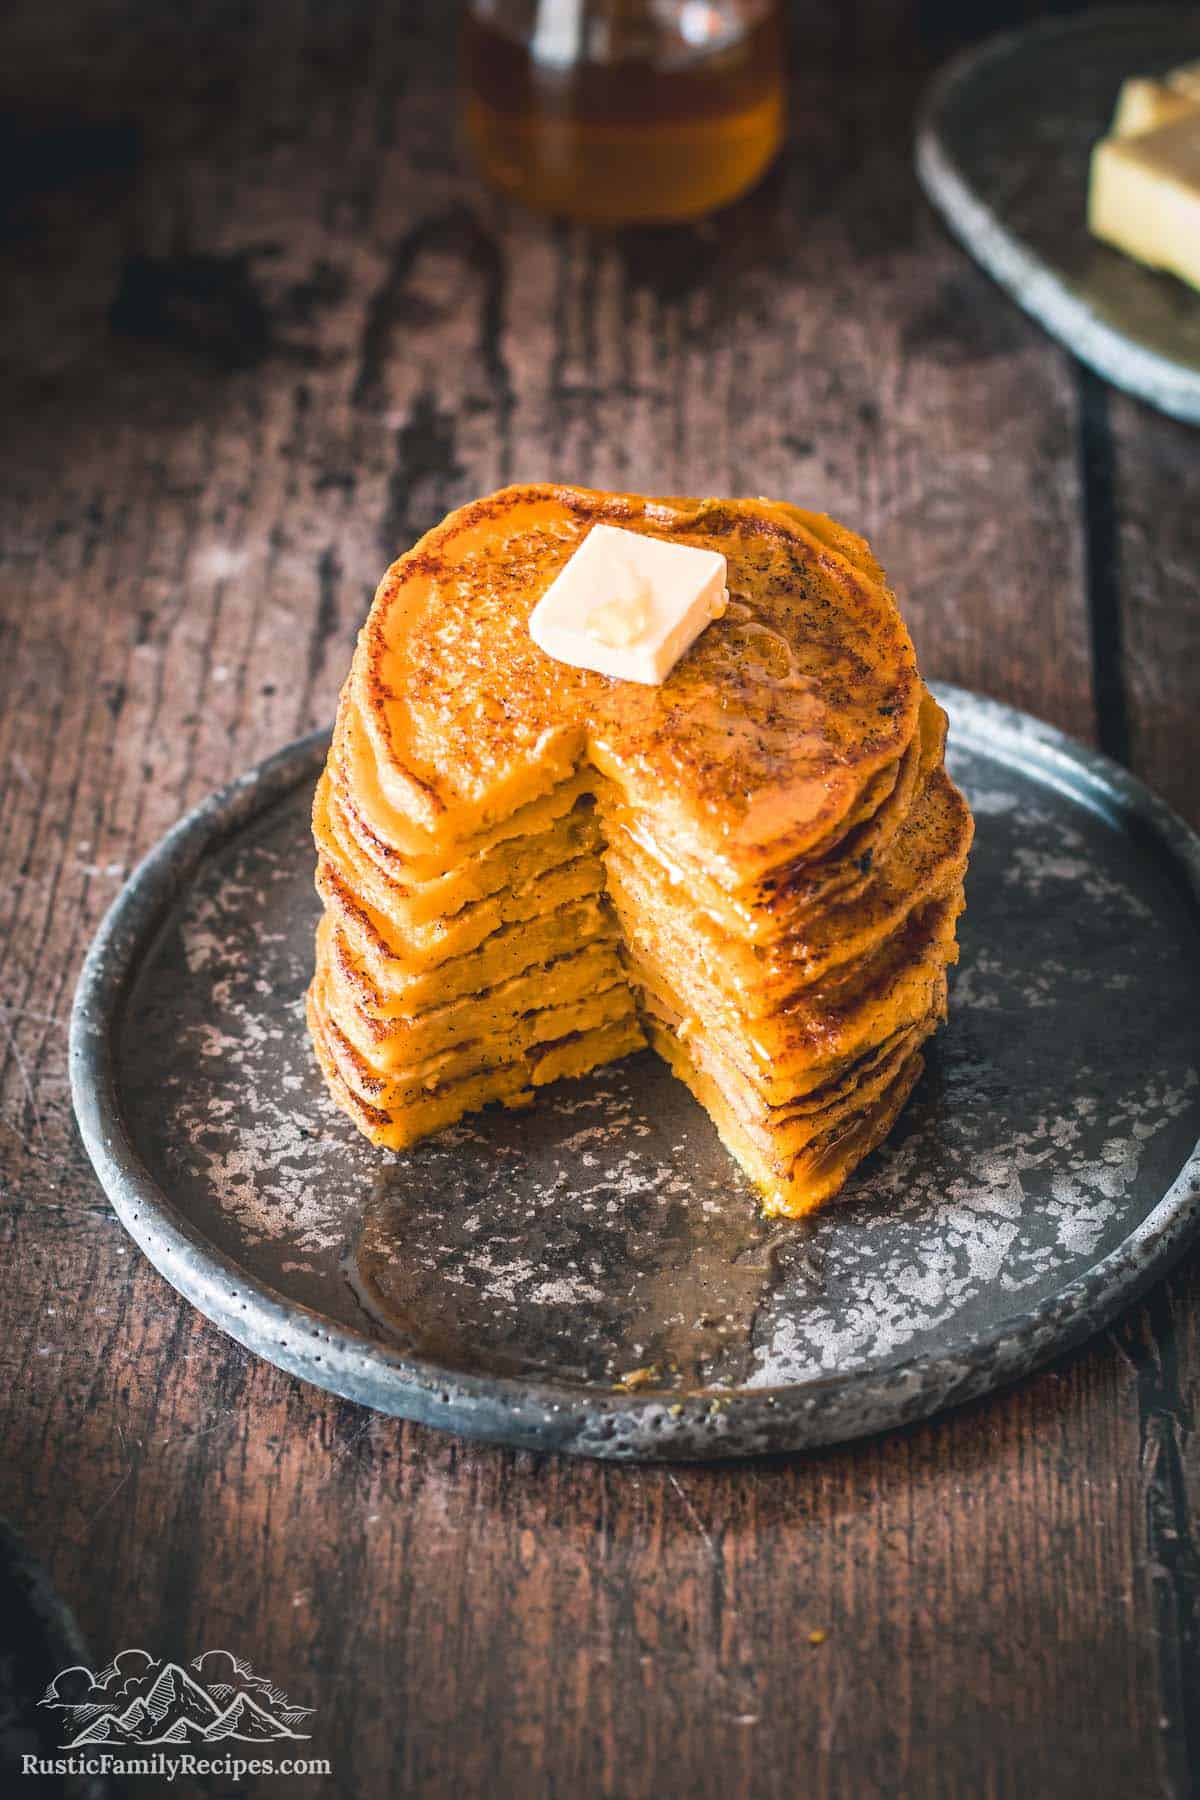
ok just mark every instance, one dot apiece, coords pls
pixel 624 111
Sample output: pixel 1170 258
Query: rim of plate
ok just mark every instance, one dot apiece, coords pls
pixel 699 1424
pixel 1025 277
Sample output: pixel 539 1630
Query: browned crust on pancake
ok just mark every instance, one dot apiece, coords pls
pixel 830 610
pixel 787 899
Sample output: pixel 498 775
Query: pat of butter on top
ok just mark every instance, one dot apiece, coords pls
pixel 629 606
pixel 1144 191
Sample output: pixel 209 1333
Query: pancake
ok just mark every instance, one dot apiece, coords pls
pixel 924 864
pixel 419 949
pixel 759 744
pixel 416 905
pixel 512 1083
pixel 770 909
pixel 409 988
pixel 528 869
pixel 403 1088
pixel 392 1039
pixel 795 1185
pixel 387 834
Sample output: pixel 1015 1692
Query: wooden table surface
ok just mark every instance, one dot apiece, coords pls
pixel 261 329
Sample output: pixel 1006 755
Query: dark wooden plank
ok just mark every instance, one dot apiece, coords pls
pixel 470 1617
pixel 1156 494
pixel 323 337
pixel 1148 655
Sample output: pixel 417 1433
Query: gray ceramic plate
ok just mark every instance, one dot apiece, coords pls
pixel 1002 150
pixel 503 1278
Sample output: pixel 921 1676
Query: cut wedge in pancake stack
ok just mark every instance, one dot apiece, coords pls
pixel 529 869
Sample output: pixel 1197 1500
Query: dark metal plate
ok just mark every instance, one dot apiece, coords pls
pixel 504 1277
pixel 1002 150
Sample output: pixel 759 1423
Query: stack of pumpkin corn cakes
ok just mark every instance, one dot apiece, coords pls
pixel 529 869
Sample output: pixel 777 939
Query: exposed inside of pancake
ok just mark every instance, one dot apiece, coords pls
pixel 529 869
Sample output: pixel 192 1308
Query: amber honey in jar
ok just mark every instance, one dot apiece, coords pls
pixel 624 111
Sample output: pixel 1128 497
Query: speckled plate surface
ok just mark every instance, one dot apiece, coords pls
pixel 503 1278
pixel 1003 144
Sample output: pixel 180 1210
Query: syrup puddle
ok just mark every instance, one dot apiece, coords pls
pixel 655 1293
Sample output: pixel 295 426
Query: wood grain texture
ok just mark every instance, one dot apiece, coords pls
pixel 1152 658
pixel 264 330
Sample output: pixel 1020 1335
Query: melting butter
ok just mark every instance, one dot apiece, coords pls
pixel 629 605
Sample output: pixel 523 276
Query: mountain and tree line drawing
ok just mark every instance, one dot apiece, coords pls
pixel 140 1699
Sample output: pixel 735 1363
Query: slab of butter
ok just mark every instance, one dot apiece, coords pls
pixel 1144 105
pixel 1186 80
pixel 1144 193
pixel 629 606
